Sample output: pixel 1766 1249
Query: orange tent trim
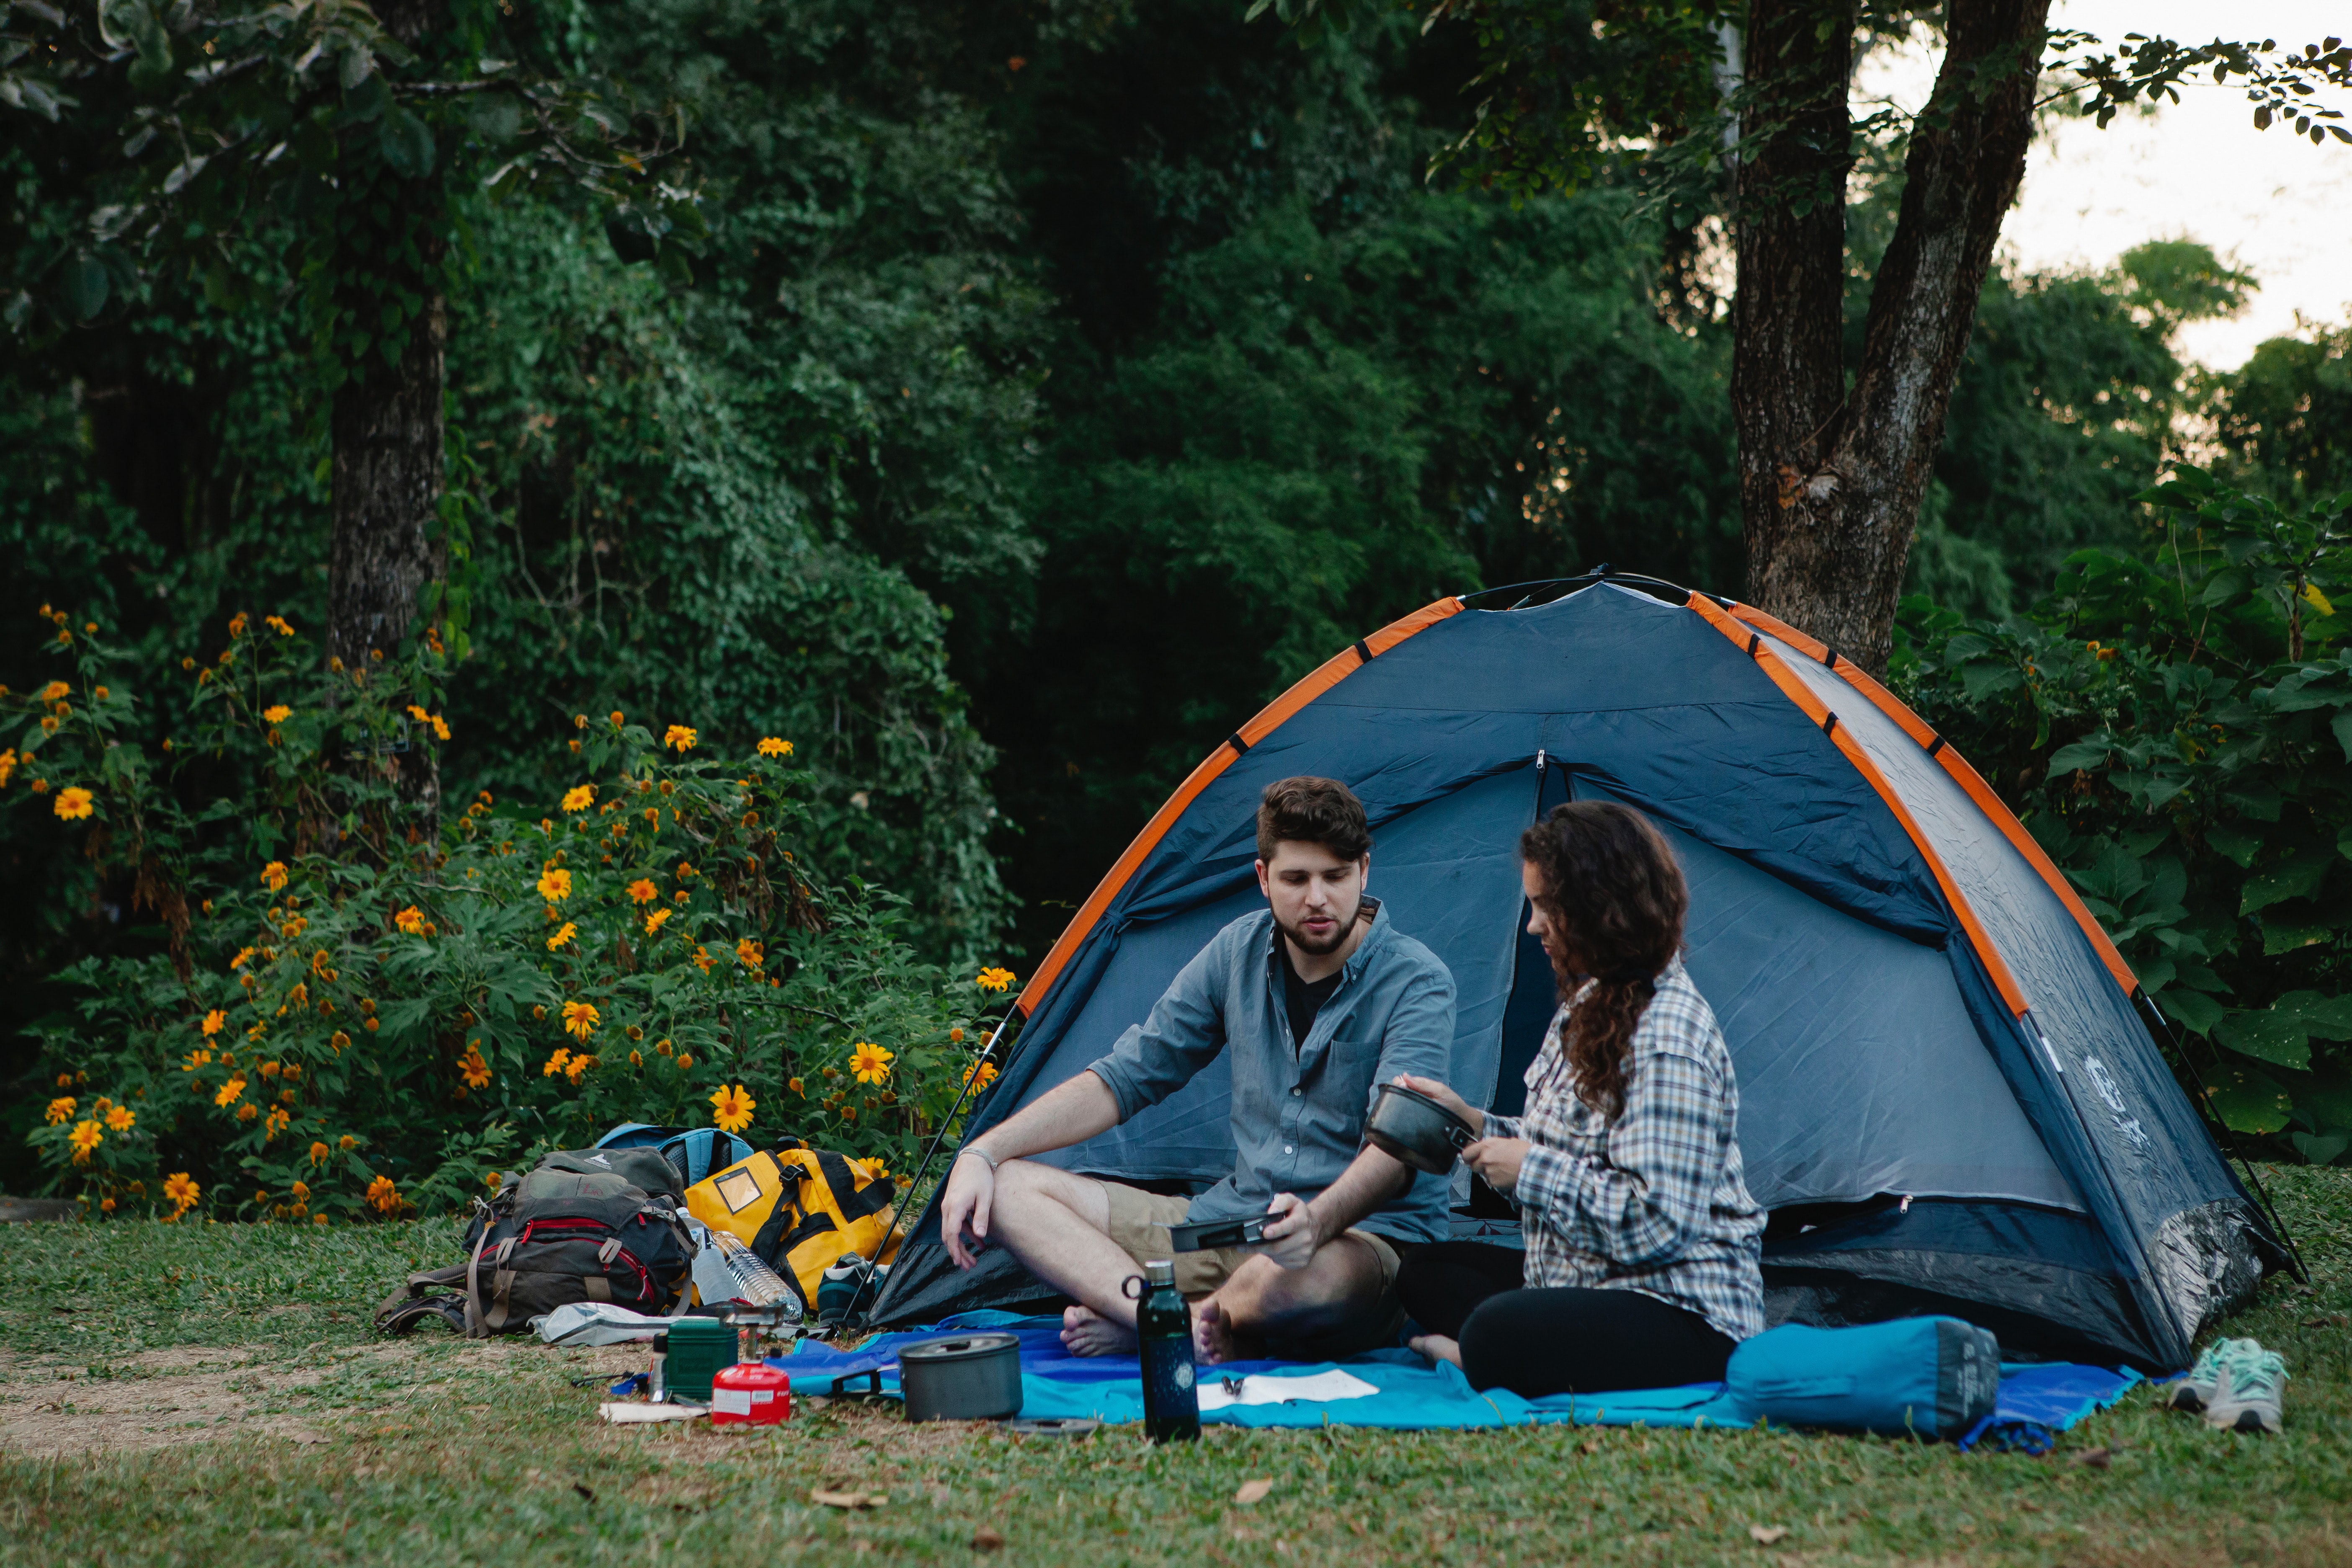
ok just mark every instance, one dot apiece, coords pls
pixel 1966 778
pixel 1324 677
pixel 1792 687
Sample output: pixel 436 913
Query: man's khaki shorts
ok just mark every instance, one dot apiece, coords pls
pixel 1140 1222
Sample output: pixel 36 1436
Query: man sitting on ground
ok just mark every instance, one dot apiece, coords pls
pixel 1317 999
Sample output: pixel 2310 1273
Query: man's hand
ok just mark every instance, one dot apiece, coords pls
pixel 1291 1239
pixel 972 1189
pixel 1447 1098
pixel 1498 1161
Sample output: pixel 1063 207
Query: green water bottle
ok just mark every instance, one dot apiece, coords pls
pixel 1163 1332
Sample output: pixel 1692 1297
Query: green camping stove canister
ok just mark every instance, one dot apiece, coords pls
pixel 699 1347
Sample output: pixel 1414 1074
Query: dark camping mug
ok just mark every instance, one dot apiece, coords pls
pixel 1416 1129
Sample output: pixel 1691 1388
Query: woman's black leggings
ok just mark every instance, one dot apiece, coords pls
pixel 1567 1341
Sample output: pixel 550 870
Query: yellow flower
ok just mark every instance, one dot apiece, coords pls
pixel 8 764
pixel 730 1108
pixel 347 1142
pixel 56 691
pixel 299 1193
pixel 875 1170
pixel 580 797
pixel 182 1192
pixel 556 1063
pixel 410 920
pixel 86 1137
pixel 617 717
pixel 564 933
pixel 277 713
pixel 60 1110
pixel 440 727
pixel 580 1019
pixel 216 1020
pixel 654 920
pixel 679 738
pixel 419 714
pixel 73 803
pixel 772 747
pixel 702 959
pixel 870 1063
pixel 686 872
pixel 383 1194
pixel 237 624
pixel 985 1072
pixel 273 875
pixel 120 1118
pixel 750 953
pixel 578 1064
pixel 684 1061
pixel 319 1152
pixel 995 979
pixel 246 1111
pixel 196 1060
pixel 229 1092
pixel 476 1070
pixel 797 1087
pixel 644 892
pixel 338 1040
pixel 280 625
pixel 242 954
pixel 637 1059
pixel 555 884
pixel 278 1117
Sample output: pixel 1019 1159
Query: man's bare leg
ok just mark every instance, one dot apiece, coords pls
pixel 1263 1299
pixel 1058 1225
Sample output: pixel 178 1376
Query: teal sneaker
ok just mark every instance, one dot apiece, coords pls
pixel 2248 1397
pixel 2194 1392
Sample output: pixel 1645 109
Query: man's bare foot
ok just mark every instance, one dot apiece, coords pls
pixel 1437 1348
pixel 1213 1335
pixel 1085 1331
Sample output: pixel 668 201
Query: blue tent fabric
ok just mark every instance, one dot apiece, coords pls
pixel 2035 1403
pixel 1879 1056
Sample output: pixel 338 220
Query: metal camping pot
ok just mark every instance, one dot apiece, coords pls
pixel 966 1377
pixel 1416 1129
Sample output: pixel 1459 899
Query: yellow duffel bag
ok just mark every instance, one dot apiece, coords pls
pixel 800 1209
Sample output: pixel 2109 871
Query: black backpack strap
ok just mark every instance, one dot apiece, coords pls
pixel 477 1325
pixel 421 1294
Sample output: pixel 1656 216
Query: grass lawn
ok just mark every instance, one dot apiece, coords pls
pixel 212 1394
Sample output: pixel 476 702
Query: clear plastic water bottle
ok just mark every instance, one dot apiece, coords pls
pixel 1163 1333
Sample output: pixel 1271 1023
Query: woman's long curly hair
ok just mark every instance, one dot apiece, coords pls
pixel 1615 896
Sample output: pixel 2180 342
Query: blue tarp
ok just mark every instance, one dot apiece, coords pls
pixel 2036 1401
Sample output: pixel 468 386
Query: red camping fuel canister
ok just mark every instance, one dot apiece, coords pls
pixel 752 1394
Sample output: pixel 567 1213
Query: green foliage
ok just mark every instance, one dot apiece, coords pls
pixel 2286 416
pixel 2177 732
pixel 347 1018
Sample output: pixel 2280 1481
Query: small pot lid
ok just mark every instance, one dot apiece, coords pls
pixel 961 1347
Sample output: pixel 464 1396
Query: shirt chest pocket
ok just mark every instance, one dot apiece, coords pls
pixel 1575 1128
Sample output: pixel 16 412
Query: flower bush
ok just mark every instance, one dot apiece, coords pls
pixel 2177 732
pixel 368 1002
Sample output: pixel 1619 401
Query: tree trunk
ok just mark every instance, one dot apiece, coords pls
pixel 1831 476
pixel 387 431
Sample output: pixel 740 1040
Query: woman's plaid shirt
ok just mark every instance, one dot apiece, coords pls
pixel 1655 1200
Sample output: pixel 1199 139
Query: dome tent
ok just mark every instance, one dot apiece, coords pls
pixel 1949 1101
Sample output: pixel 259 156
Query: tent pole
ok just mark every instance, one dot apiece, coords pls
pixel 2159 1029
pixel 987 1052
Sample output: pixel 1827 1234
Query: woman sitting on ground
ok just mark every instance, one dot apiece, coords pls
pixel 1640 1266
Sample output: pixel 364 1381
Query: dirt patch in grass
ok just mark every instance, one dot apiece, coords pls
pixel 56 1406
pixel 156 1399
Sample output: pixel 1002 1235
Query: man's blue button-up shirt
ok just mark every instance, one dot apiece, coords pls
pixel 1298 1107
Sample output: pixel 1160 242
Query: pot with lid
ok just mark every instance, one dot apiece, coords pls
pixel 1416 1129
pixel 962 1378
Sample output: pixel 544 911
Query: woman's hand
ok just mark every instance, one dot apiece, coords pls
pixel 1497 1161
pixel 1445 1097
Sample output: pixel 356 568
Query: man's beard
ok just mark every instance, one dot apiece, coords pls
pixel 1312 949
